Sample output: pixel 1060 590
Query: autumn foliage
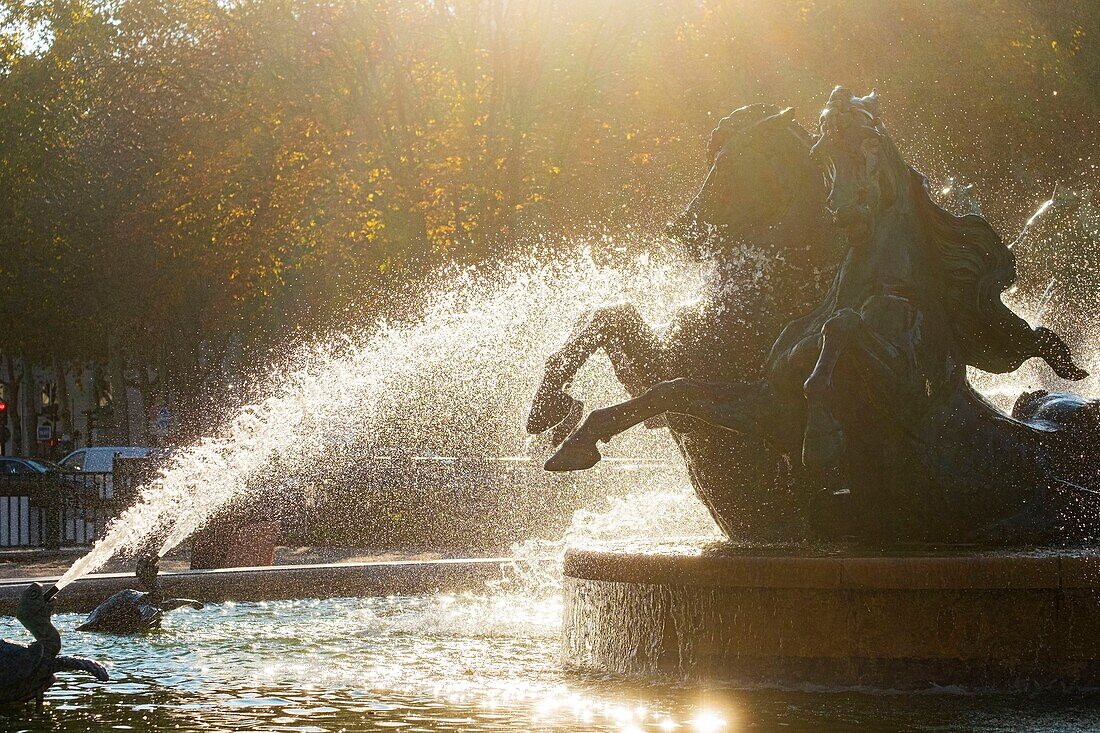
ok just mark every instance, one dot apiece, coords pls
pixel 175 171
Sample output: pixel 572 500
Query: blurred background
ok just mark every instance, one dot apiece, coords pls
pixel 189 179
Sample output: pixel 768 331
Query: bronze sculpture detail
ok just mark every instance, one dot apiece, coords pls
pixel 866 394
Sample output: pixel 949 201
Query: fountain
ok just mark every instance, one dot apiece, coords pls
pixel 923 493
pixel 865 547
pixel 468 644
pixel 448 362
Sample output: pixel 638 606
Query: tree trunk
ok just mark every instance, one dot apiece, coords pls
pixel 95 425
pixel 116 368
pixel 145 388
pixel 28 409
pixel 11 395
pixel 64 424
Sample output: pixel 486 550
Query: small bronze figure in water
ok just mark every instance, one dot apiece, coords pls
pixel 27 671
pixel 130 611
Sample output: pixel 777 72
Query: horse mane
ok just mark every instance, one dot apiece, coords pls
pixel 977 266
pixel 970 251
pixel 736 121
pixel 972 261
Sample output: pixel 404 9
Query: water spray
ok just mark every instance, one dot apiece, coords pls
pixel 478 339
pixel 1043 208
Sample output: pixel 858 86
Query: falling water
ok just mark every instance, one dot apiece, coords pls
pixel 456 380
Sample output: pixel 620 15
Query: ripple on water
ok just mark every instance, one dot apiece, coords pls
pixel 442 663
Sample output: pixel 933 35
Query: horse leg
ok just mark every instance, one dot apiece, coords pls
pixel 878 360
pixel 639 357
pixel 743 407
pixel 632 346
pixel 823 441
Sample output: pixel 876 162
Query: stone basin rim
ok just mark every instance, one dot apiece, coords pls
pixel 961 571
pixel 277 582
pixel 273 569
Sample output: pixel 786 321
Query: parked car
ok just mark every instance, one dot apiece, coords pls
pixel 10 465
pixel 27 486
pixel 100 459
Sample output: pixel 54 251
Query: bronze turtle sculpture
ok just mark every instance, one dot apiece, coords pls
pixel 132 611
pixel 27 671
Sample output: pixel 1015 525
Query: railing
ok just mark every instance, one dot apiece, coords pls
pixel 379 502
pixel 50 510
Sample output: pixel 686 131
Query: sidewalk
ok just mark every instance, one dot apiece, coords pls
pixel 25 563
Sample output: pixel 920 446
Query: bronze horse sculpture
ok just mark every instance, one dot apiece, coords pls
pixel 869 389
pixel 761 208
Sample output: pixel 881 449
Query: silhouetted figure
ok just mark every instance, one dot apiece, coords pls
pixel 27 671
pixel 133 612
pixel 867 395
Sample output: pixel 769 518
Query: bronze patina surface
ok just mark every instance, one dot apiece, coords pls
pixel 864 403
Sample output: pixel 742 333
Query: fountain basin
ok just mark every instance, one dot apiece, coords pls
pixel 275 582
pixel 975 620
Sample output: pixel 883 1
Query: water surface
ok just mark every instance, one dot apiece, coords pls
pixel 444 663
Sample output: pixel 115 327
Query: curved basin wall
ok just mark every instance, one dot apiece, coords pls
pixel 905 622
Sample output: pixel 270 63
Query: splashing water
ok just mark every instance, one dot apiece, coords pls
pixel 1057 256
pixel 456 381
pixel 669 514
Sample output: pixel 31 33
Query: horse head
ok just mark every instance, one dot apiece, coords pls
pixel 759 167
pixel 864 169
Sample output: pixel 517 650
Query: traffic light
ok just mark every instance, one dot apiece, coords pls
pixel 3 407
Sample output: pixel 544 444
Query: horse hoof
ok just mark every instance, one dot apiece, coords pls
pixel 575 454
pixel 1066 369
pixel 566 427
pixel 1071 373
pixel 549 410
pixel 1057 355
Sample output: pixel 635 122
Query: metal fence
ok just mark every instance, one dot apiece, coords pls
pixel 385 503
pixel 50 510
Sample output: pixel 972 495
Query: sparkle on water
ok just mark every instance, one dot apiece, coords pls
pixel 474 663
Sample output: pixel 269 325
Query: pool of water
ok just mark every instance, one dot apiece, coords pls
pixel 447 663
